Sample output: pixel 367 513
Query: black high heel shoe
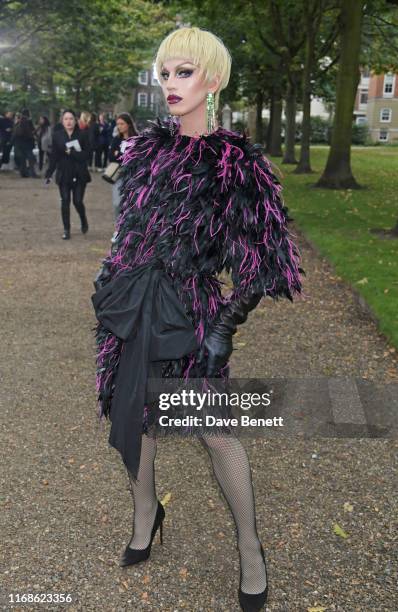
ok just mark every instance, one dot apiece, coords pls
pixel 131 556
pixel 254 602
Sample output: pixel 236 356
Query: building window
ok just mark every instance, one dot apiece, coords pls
pixel 154 81
pixel 153 100
pixel 388 88
pixel 361 120
pixel 385 115
pixel 143 77
pixel 383 135
pixel 363 99
pixel 143 99
pixel 365 73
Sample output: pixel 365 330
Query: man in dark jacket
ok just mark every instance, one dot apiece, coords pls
pixel 6 127
pixel 24 142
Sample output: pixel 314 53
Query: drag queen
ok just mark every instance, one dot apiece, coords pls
pixel 196 199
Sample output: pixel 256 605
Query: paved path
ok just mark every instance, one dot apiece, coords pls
pixel 65 505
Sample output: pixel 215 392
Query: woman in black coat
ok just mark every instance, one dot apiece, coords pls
pixel 69 155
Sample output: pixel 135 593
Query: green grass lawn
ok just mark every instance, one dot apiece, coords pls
pixel 338 223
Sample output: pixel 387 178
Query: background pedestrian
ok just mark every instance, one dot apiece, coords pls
pixel 69 155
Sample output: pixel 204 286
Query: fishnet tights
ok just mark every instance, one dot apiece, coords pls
pixel 232 471
pixel 144 494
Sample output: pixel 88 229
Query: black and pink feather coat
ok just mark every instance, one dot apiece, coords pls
pixel 200 206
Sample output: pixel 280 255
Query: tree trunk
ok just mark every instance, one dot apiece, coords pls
pixel 275 145
pixel 259 137
pixel 304 165
pixel 269 127
pixel 290 130
pixel 338 173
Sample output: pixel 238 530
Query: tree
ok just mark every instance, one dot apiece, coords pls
pixel 314 12
pixel 22 20
pixel 374 18
pixel 337 173
pixel 281 37
pixel 299 35
pixel 380 52
pixel 90 57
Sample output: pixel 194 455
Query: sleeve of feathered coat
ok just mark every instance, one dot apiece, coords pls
pixel 259 249
pixel 119 237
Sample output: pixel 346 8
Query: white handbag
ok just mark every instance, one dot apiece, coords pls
pixel 111 172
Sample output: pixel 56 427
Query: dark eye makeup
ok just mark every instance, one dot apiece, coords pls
pixel 187 71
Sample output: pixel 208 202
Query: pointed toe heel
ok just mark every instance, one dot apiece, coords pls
pixel 254 602
pixel 132 556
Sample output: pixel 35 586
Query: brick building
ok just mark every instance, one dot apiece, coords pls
pixel 376 105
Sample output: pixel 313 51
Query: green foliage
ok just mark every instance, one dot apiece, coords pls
pixel 20 21
pixel 320 130
pixel 380 36
pixel 87 54
pixel 360 134
pixel 88 57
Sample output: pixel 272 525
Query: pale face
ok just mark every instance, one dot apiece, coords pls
pixel 183 86
pixel 68 121
pixel 122 126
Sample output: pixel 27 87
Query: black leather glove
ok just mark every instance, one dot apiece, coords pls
pixel 102 277
pixel 218 341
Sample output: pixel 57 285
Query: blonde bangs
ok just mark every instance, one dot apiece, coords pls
pixel 202 48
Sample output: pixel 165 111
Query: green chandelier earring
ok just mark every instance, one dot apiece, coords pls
pixel 210 112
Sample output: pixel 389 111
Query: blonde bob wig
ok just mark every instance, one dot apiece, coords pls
pixel 203 49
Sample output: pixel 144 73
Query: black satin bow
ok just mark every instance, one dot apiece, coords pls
pixel 142 308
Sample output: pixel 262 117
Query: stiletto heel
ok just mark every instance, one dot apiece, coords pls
pixel 131 556
pixel 254 602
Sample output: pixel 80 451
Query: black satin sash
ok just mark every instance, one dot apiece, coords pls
pixel 141 308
